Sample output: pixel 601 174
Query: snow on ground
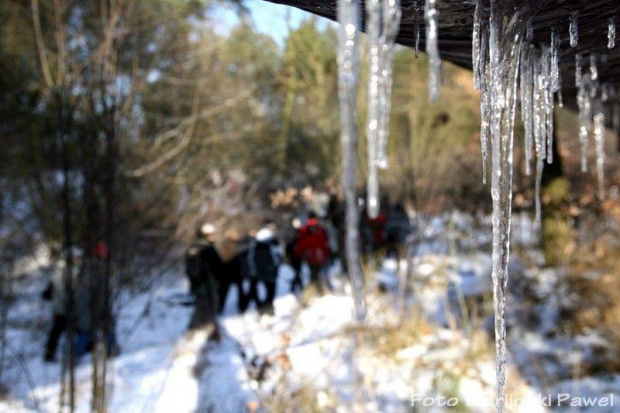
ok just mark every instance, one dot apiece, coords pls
pixel 152 373
pixel 311 345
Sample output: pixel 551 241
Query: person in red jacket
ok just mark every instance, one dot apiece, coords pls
pixel 312 246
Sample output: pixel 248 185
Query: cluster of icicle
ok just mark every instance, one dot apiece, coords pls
pixel 503 52
pixel 508 67
pixel 505 60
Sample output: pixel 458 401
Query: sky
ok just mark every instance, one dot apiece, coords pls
pixel 269 18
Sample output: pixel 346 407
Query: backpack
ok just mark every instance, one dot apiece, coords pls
pixel 313 245
pixel 264 259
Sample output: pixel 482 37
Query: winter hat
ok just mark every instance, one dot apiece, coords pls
pixel 296 223
pixel 264 234
pixel 207 229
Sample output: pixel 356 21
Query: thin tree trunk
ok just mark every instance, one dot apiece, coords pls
pixel 69 357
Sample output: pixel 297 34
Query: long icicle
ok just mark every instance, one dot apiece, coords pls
pixel 611 33
pixel 526 86
pixel 383 24
pixel 475 47
pixel 599 139
pixel 348 78
pixel 485 99
pixel 585 117
pixel 539 131
pixel 432 49
pixel 549 101
pixel 416 27
pixel 505 36
pixel 391 25
pixel 373 126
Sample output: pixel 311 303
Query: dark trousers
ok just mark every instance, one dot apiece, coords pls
pixel 271 293
pixel 318 278
pixel 224 287
pixel 205 310
pixel 252 294
pixel 297 283
pixel 84 343
pixel 59 324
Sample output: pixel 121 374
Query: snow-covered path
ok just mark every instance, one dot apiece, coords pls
pixel 309 353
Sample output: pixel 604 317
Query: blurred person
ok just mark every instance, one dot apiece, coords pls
pixel 295 261
pixel 95 321
pixel 397 229
pixel 313 248
pixel 336 214
pixel 373 229
pixel 232 270
pixel 56 291
pixel 208 266
pixel 264 259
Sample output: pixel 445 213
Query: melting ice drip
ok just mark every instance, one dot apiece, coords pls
pixel 348 81
pixel 382 28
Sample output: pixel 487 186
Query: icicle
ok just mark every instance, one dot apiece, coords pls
pixel 504 49
pixel 593 68
pixel 383 24
pixel 485 113
pixel 611 33
pixel 529 31
pixel 547 73
pixel 375 91
pixel 475 46
pixel 583 141
pixel 599 139
pixel 555 60
pixel 349 18
pixel 391 24
pixel 605 92
pixel 559 91
pixel 585 118
pixel 573 29
pixel 416 27
pixel 484 52
pixel 485 99
pixel 578 70
pixel 432 49
pixel 540 163
pixel 525 88
pixel 538 108
pixel 539 134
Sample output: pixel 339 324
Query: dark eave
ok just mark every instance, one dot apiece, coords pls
pixel 455 32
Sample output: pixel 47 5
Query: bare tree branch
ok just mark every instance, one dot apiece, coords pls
pixel 36 19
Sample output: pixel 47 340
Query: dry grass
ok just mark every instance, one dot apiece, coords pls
pixel 594 285
pixel 387 340
pixel 293 398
